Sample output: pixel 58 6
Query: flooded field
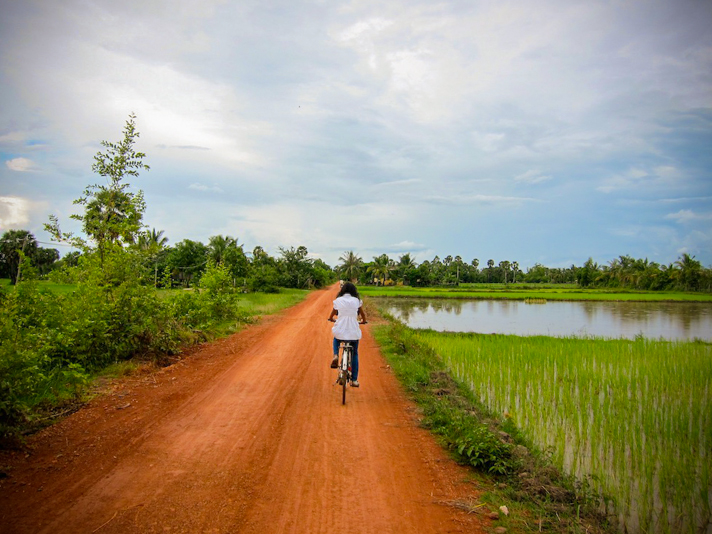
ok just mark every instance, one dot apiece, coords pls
pixel 653 320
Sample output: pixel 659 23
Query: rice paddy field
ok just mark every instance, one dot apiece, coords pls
pixel 634 418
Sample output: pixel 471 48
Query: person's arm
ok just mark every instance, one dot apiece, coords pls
pixel 362 314
pixel 334 313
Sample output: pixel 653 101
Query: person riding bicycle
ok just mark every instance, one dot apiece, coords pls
pixel 348 308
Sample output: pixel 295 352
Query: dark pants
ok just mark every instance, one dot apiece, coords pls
pixel 354 360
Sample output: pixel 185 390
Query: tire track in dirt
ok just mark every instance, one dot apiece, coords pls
pixel 247 435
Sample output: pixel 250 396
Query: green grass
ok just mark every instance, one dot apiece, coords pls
pixel 254 304
pixel 474 435
pixel 44 286
pixel 633 417
pixel 524 292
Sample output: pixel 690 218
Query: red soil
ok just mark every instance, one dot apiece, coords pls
pixel 249 435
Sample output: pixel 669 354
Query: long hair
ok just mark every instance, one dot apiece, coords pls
pixel 349 288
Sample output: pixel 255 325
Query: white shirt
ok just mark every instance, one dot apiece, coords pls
pixel 346 327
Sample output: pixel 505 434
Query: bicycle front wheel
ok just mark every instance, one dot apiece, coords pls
pixel 345 376
pixel 343 389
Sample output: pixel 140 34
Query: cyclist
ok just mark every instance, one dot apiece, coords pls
pixel 348 308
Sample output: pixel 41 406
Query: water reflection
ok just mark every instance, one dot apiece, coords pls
pixel 668 320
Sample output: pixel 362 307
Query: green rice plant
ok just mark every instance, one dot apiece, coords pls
pixel 636 415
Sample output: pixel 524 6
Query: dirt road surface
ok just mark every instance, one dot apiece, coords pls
pixel 247 435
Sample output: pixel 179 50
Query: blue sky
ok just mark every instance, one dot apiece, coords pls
pixel 531 131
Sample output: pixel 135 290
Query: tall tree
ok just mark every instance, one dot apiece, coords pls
pixel 187 260
pixel 351 265
pixel 112 214
pixel 406 265
pixel 218 246
pixel 515 270
pixel 381 268
pixel 504 265
pixel 153 243
pixel 296 267
pixel 689 272
pixel 14 245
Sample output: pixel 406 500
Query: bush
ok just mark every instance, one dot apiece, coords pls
pixel 49 343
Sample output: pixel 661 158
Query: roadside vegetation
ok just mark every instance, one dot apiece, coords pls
pixel 103 306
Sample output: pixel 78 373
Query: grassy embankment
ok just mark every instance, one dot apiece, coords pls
pixel 632 420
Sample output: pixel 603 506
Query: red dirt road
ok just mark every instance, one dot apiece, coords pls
pixel 246 435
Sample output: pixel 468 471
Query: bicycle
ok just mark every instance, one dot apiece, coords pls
pixel 346 351
pixel 344 367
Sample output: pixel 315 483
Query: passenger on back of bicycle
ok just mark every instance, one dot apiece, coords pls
pixel 348 308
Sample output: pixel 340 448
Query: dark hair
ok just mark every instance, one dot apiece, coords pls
pixel 349 288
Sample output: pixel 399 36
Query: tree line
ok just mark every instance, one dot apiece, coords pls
pixel 112 223
pixel 685 274
pixel 183 264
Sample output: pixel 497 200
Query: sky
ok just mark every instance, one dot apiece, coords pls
pixel 536 131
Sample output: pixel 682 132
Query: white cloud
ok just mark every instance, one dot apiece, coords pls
pixel 398 183
pixel 206 188
pixel 407 246
pixel 14 212
pixel 686 216
pixel 481 199
pixel 489 142
pixel 532 177
pixel 364 29
pixel 21 165
pixel 660 176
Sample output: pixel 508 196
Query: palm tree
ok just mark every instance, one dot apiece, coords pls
pixel 218 246
pixel 381 268
pixel 351 265
pixel 504 265
pixel 153 243
pixel 689 271
pixel 405 263
pixel 490 265
pixel 458 263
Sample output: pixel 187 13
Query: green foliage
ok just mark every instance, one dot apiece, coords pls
pixel 18 244
pixel 187 261
pixel 448 407
pixel 112 215
pixel 217 292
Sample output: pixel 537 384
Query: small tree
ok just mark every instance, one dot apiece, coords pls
pixel 14 245
pixel 112 214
